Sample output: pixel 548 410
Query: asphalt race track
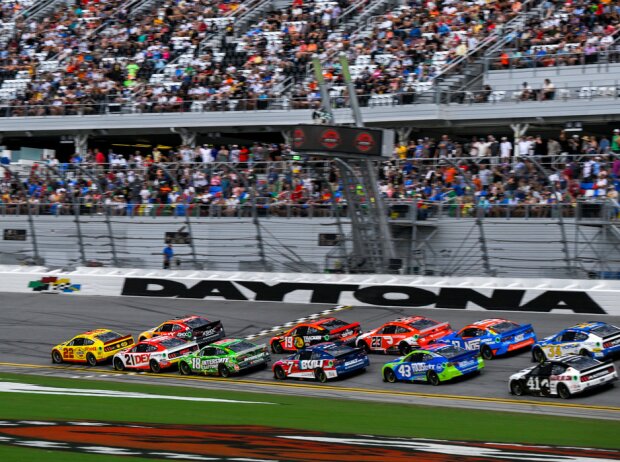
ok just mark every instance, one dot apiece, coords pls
pixel 33 323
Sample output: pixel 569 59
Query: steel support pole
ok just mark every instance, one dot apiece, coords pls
pixel 107 215
pixel 187 220
pixel 35 246
pixel 318 75
pixel 355 107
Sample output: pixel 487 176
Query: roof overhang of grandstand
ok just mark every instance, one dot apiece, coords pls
pixel 420 115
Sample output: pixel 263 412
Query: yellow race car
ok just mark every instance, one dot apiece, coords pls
pixel 91 347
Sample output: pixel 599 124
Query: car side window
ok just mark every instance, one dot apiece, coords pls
pixel 166 328
pixel 568 336
pixel 544 370
pixel 88 341
pixel 558 369
pixel 581 336
pixel 176 328
pixel 151 348
pixel 427 357
pixel 301 330
pixel 78 341
pixel 401 330
pixel 305 355
pixel 142 348
pixel 470 332
pixel 209 351
pixel 389 330
pixel 415 357
pixel 219 352
pixel 313 331
pixel 316 355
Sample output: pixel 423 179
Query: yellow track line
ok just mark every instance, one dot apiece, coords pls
pixel 329 387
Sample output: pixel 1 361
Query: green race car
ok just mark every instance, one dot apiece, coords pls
pixel 225 357
pixel 434 364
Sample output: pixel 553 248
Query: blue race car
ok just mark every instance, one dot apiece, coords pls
pixel 594 339
pixel 434 364
pixel 492 337
pixel 322 362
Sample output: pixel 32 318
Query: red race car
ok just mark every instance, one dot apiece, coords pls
pixel 403 335
pixel 314 332
pixel 154 354
pixel 190 327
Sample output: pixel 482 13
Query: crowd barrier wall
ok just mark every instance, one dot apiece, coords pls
pixel 591 297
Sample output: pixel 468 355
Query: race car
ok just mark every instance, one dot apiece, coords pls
pixel 434 364
pixel 190 327
pixel 564 377
pixel 154 354
pixel 225 357
pixel 493 337
pixel 595 339
pixel 402 335
pixel 314 332
pixel 91 347
pixel 321 362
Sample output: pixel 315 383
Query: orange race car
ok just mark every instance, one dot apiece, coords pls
pixel 313 332
pixel 404 334
pixel 189 327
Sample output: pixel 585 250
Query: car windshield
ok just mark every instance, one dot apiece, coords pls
pixel 241 346
pixel 504 326
pixel 107 336
pixel 334 324
pixel 172 342
pixel 605 330
pixel 196 322
pixel 581 362
pixel 422 324
pixel 450 351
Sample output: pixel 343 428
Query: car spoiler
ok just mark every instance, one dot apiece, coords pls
pixel 119 339
pixel 515 331
pixel 353 325
pixel 209 325
pixel 435 328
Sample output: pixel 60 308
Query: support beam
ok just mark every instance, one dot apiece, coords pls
pixel 188 137
pixel 80 142
pixel 403 134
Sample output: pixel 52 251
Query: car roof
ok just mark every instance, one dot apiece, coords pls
pixel 227 341
pixel 325 347
pixel 93 332
pixel 587 326
pixel 314 322
pixel 484 323
pixel 160 338
pixel 407 320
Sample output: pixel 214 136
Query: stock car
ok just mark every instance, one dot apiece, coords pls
pixel 493 337
pixel 563 377
pixel 190 327
pixel 225 357
pixel 154 354
pixel 402 335
pixel 434 364
pixel 322 362
pixel 91 347
pixel 314 332
pixel 595 339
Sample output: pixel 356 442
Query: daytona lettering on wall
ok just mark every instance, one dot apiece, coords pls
pixel 378 295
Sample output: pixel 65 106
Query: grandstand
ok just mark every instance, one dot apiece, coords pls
pixel 238 73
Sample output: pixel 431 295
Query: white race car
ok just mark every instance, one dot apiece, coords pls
pixel 154 354
pixel 563 377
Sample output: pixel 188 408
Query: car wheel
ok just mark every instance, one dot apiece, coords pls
pixel 404 348
pixel 586 353
pixel 538 355
pixel 276 347
pixel 91 360
pixel 364 346
pixel 516 388
pixel 56 357
pixel 486 352
pixel 432 378
pixel 279 373
pixel 320 375
pixel 118 364
pixel 184 368
pixel 223 371
pixel 389 376
pixel 563 391
pixel 155 367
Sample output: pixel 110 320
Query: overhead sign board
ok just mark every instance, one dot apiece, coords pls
pixel 334 140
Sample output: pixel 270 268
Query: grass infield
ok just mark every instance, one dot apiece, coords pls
pixel 320 414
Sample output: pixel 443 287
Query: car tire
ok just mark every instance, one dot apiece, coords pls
pixel 404 348
pixel 563 391
pixel 389 376
pixel 223 371
pixel 584 352
pixel 432 378
pixel 320 375
pixel 91 360
pixel 118 364
pixel 56 357
pixel 184 368
pixel 486 352
pixel 517 388
pixel 155 367
pixel 364 346
pixel 278 373
pixel 276 347
pixel 538 356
